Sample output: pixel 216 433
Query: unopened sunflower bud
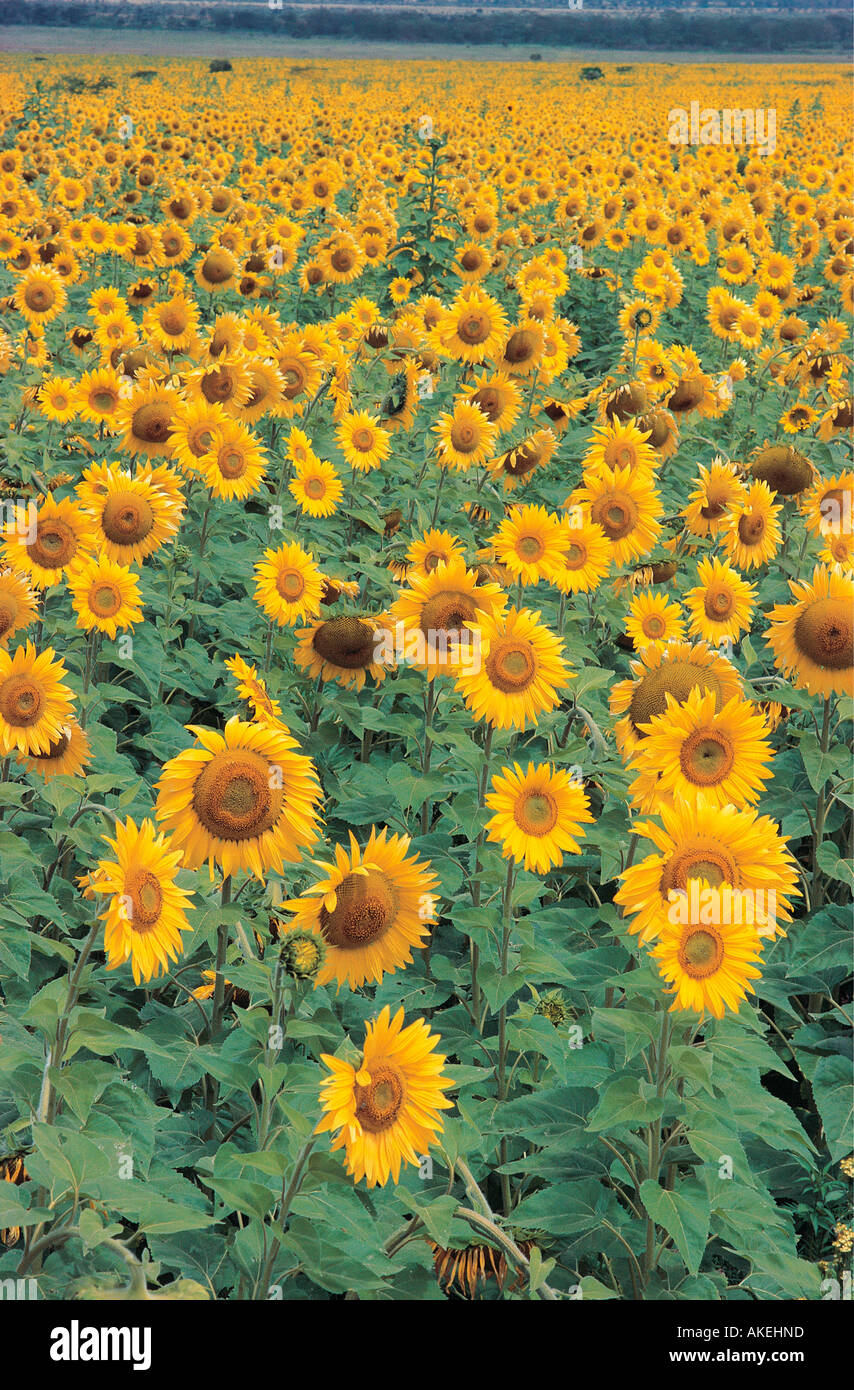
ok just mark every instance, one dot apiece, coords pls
pixel 302 953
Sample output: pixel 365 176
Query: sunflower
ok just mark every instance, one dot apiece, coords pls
pixel 17 604
pixel 363 441
pixel 345 649
pixel 372 906
pixel 721 605
pixel 529 544
pixel 718 489
pixel 146 418
pixel 702 754
pixel 67 755
pixel 244 799
pixel 225 382
pixel 433 548
pixel 386 1111
pixel 585 556
pixel 473 330
pixel 46 540
pixel 524 348
pixel 654 618
pixel 436 611
pixel 707 959
pixel 837 550
pixel 626 505
pixel 147 910
pixel 721 844
pixel 533 452
pixel 538 814
pixel 498 396
pixel 619 444
pixel 35 704
pixel 104 595
pixel 520 672
pixel 251 688
pixel 675 669
pixel 786 471
pixel 40 295
pixel 217 270
pixel 828 507
pixel 98 395
pixel 57 399
pixel 317 487
pixel 813 638
pixel 289 584
pixel 752 534
pixel 132 517
pixel 466 437
pixel 234 465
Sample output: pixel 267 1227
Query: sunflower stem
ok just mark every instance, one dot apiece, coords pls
pixel 507 926
pixel 221 945
pixel 476 887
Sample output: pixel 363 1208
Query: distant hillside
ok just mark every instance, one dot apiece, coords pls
pixel 739 26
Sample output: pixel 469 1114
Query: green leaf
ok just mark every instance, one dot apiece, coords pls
pixel 683 1214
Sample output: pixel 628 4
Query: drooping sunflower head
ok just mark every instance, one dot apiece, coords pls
pixel 676 670
pixel 345 648
pixel 786 471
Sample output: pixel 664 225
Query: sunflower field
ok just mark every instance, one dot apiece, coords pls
pixel 426 593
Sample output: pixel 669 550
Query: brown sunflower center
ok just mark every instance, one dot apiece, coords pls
pixel 511 665
pixel 824 632
pixel 231 463
pixel 380 1102
pixel 751 528
pixel 21 701
pixel 217 385
pixel 488 399
pixel 700 952
pixel 718 603
pixel 315 488
pixel 365 909
pixel 290 585
pixel 676 678
pixel 706 757
pixel 701 857
pixel 654 625
pixel 473 329
pixel 105 599
pixel 233 796
pixel 152 423
pixel 127 519
pixel 363 439
pixel 143 889
pixel 8 614
pixel 345 642
pixel 530 549
pixel 217 267
pixel 38 298
pixel 535 813
pixel 521 347
pixel 688 394
pixel 447 611
pixel 616 513
pixel 55 544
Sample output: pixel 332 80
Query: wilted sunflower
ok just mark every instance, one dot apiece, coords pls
pixel 437 610
pixel 67 755
pixel 17 604
pixel 104 595
pixel 721 844
pixel 585 556
pixel 653 618
pixel 627 507
pixel 147 910
pixel 538 814
pixel 145 419
pixel 46 539
pixel 35 704
pixel 752 534
pixel 244 799
pixel 676 669
pixel 371 907
pixel 289 584
pixel 516 465
pixel 251 688
pixel 813 638
pixel 786 471
pixel 386 1112
pixel 529 543
pixel 317 487
pixel 346 649
pixel 708 961
pixel 722 603
pixel 702 754
pixel 520 673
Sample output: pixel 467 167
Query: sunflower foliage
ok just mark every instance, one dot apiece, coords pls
pixel 425 686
